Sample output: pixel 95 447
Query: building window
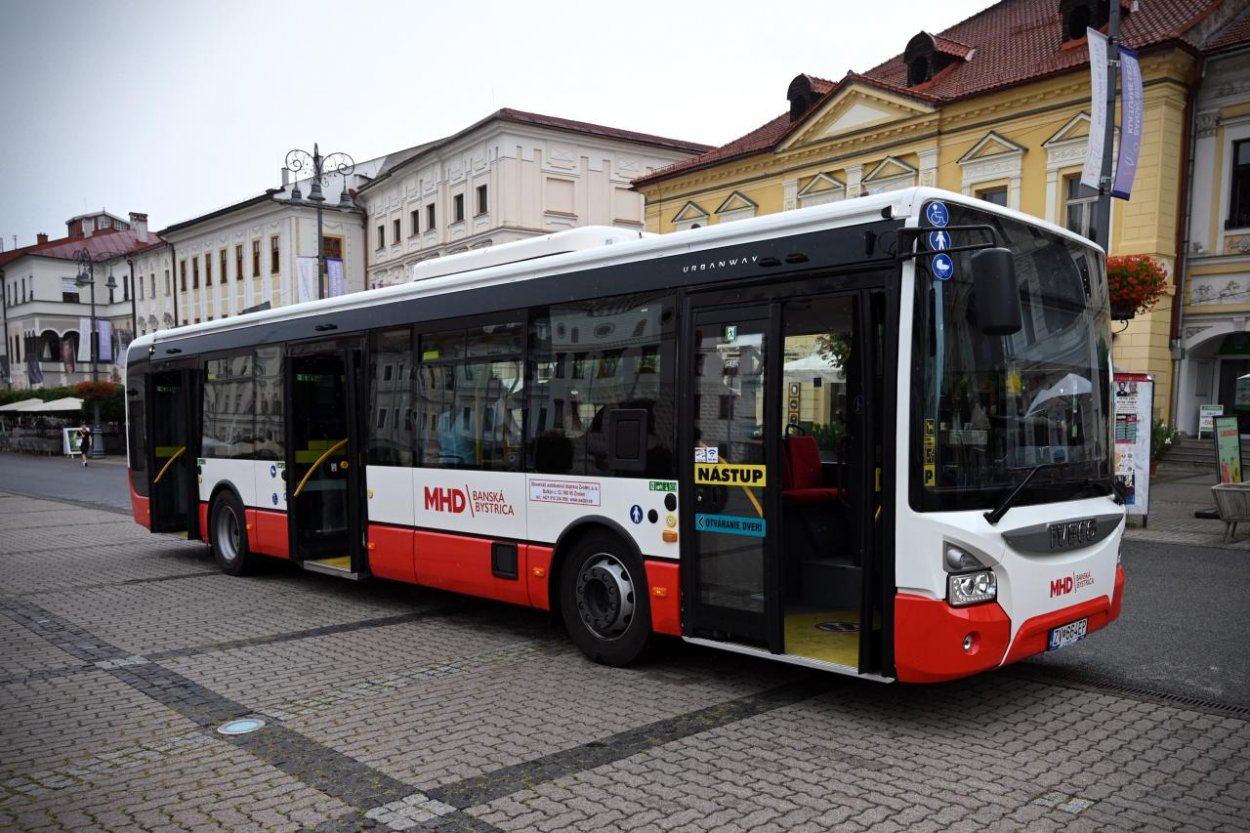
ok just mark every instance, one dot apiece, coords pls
pixel 1239 202
pixel 381 235
pixel 997 195
pixel 429 217
pixel 168 289
pixel 413 216
pixel 141 287
pixel 273 255
pixel 1079 206
pixel 481 199
pixel 457 205
pixel 238 262
pixel 255 258
pixel 195 273
pixel 208 269
pixel 221 276
pixel 395 231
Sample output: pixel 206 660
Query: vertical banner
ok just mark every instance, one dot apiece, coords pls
pixel 104 332
pixel 1091 175
pixel 335 278
pixel 306 279
pixel 1228 449
pixel 84 340
pixel 1130 123
pixel 1134 404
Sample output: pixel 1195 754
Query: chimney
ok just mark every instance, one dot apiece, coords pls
pixel 41 238
pixel 139 224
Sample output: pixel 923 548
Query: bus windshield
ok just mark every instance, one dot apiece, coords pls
pixel 991 408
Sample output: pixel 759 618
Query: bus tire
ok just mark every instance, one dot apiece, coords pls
pixel 228 530
pixel 603 600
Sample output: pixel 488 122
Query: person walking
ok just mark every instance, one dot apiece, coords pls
pixel 84 443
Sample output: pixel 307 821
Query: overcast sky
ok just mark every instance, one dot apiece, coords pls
pixel 176 109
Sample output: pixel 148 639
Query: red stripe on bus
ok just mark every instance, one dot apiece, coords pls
pixel 1034 633
pixel 462 565
pixel 538 573
pixel 929 638
pixel 268 533
pixel 205 535
pixel 140 508
pixel 665 596
pixel 390 553
pixel 1117 601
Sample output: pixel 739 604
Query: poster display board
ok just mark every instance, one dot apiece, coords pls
pixel 1228 449
pixel 1134 403
pixel 1206 413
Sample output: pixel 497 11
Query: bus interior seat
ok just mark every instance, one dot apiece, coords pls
pixel 802 480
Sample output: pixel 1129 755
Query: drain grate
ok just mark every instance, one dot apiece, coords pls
pixel 1040 675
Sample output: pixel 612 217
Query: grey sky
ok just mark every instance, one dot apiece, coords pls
pixel 176 109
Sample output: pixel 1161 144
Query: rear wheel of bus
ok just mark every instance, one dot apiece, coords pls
pixel 229 535
pixel 603 599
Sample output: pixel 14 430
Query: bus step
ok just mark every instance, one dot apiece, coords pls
pixel 340 566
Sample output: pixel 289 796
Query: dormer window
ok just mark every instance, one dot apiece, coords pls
pixel 801 95
pixel 1079 15
pixel 926 56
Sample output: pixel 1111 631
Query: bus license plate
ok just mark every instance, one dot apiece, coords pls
pixel 1065 635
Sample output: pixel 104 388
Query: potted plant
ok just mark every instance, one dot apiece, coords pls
pixel 1136 283
pixel 1161 437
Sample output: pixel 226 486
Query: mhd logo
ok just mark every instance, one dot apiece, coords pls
pixel 442 499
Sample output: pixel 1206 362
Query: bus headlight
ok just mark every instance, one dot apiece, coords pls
pixel 971 588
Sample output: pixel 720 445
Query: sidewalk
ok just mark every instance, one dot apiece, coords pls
pixel 1176 492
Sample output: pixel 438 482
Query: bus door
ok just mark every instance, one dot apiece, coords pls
pixel 324 481
pixel 831 477
pixel 730 582
pixel 173 398
pixel 782 483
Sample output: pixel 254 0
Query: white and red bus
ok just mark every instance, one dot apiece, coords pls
pixel 873 437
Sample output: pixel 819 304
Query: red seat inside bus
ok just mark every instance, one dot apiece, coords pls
pixel 802 476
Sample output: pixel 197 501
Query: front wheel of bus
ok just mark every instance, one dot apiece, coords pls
pixel 229 535
pixel 603 599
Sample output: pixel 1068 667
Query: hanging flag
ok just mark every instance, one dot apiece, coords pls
pixel 1091 175
pixel 84 340
pixel 335 277
pixel 1130 123
pixel 306 279
pixel 104 334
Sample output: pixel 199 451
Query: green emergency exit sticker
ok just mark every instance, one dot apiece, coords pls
pixel 663 485
pixel 731 332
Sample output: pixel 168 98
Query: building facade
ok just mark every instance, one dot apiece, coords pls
pixel 510 176
pixel 1212 346
pixel 56 289
pixel 997 106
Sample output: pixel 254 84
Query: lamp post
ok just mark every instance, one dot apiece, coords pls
pixel 321 166
pixel 86 277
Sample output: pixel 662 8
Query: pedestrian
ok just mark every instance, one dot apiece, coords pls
pixel 84 443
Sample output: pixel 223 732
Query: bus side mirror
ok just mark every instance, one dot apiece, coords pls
pixel 996 293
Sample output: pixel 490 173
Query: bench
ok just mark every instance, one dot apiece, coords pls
pixel 1232 501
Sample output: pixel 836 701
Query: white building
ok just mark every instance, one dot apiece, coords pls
pixel 509 176
pixel 1213 349
pixel 47 301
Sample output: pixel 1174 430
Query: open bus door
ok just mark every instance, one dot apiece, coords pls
pixel 173 399
pixel 325 479
pixel 783 495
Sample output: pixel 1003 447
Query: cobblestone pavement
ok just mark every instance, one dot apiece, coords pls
pixel 397 708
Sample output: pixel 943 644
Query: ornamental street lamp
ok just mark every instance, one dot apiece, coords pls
pixel 321 167
pixel 86 277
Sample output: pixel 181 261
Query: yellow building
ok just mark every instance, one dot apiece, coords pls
pixel 997 106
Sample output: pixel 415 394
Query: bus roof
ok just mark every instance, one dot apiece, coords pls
pixel 599 249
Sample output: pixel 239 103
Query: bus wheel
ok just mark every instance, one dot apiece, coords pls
pixel 603 599
pixel 229 535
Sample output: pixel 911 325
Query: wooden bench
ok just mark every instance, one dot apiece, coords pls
pixel 1232 501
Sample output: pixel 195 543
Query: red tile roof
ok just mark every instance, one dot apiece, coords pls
pixel 1236 33
pixel 1012 42
pixel 103 245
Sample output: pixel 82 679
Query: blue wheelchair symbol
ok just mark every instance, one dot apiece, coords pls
pixel 937 214
pixel 943 267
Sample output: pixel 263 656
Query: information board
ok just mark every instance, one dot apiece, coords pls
pixel 1206 413
pixel 1228 449
pixel 1134 403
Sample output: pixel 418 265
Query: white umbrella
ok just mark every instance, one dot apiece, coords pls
pixel 813 364
pixel 1070 385
pixel 68 403
pixel 23 405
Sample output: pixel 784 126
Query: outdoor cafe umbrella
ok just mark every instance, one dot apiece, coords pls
pixel 23 405
pixel 68 403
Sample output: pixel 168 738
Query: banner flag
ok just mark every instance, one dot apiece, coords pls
pixel 105 334
pixel 1091 175
pixel 306 271
pixel 335 277
pixel 1130 123
pixel 84 340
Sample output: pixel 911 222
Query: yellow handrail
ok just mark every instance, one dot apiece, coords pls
pixel 320 460
pixel 169 463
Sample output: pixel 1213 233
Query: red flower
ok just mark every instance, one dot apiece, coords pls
pixel 1136 279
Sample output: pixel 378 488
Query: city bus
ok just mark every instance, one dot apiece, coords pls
pixel 873 437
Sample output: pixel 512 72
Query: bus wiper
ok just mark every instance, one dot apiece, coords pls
pixel 997 514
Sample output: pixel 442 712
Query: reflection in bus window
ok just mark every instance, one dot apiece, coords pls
pixel 390 432
pixel 589 359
